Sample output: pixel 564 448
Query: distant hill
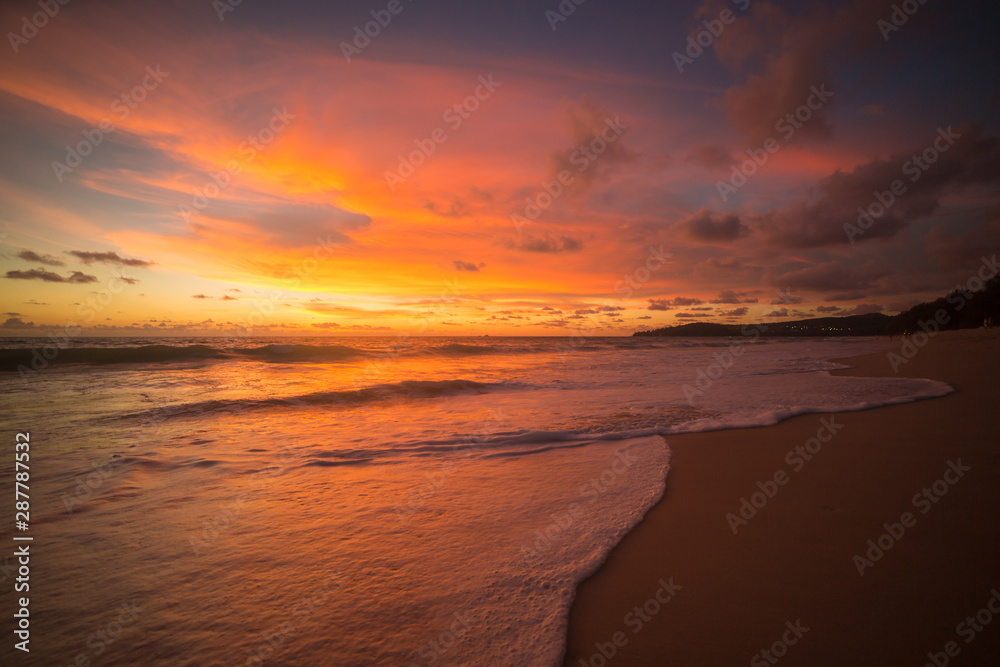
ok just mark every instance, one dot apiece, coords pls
pixel 965 310
pixel 874 324
pixel 957 310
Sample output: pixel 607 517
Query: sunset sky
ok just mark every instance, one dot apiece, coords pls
pixel 190 167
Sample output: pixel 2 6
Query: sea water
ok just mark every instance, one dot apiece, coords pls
pixel 361 501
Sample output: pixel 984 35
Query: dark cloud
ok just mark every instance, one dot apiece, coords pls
pixel 667 304
pixel 786 299
pixel 736 312
pixel 781 55
pixel 466 266
pixel 226 297
pixel 586 124
pixel 108 258
pixel 16 323
pixel 200 296
pixel 827 309
pixel 32 256
pixel 830 276
pixel 964 250
pixel 971 160
pixel 725 263
pixel 783 312
pixel 49 277
pixel 845 296
pixel 706 228
pixel 456 209
pixel 732 297
pixel 546 244
pixel 710 156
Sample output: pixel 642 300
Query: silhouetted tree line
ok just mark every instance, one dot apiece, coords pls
pixel 960 309
pixel 964 310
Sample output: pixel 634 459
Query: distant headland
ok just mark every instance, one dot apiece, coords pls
pixel 958 310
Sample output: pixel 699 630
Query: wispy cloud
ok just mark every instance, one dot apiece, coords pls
pixel 109 257
pixel 32 256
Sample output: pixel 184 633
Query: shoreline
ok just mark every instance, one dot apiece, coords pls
pixel 794 562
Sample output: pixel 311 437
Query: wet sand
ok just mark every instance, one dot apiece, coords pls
pixel 787 582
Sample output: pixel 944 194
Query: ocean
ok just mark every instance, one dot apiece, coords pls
pixel 361 501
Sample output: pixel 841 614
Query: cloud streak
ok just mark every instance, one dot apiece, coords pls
pixel 109 257
pixel 49 277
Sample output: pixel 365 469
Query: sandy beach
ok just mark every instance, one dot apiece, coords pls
pixel 798 582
